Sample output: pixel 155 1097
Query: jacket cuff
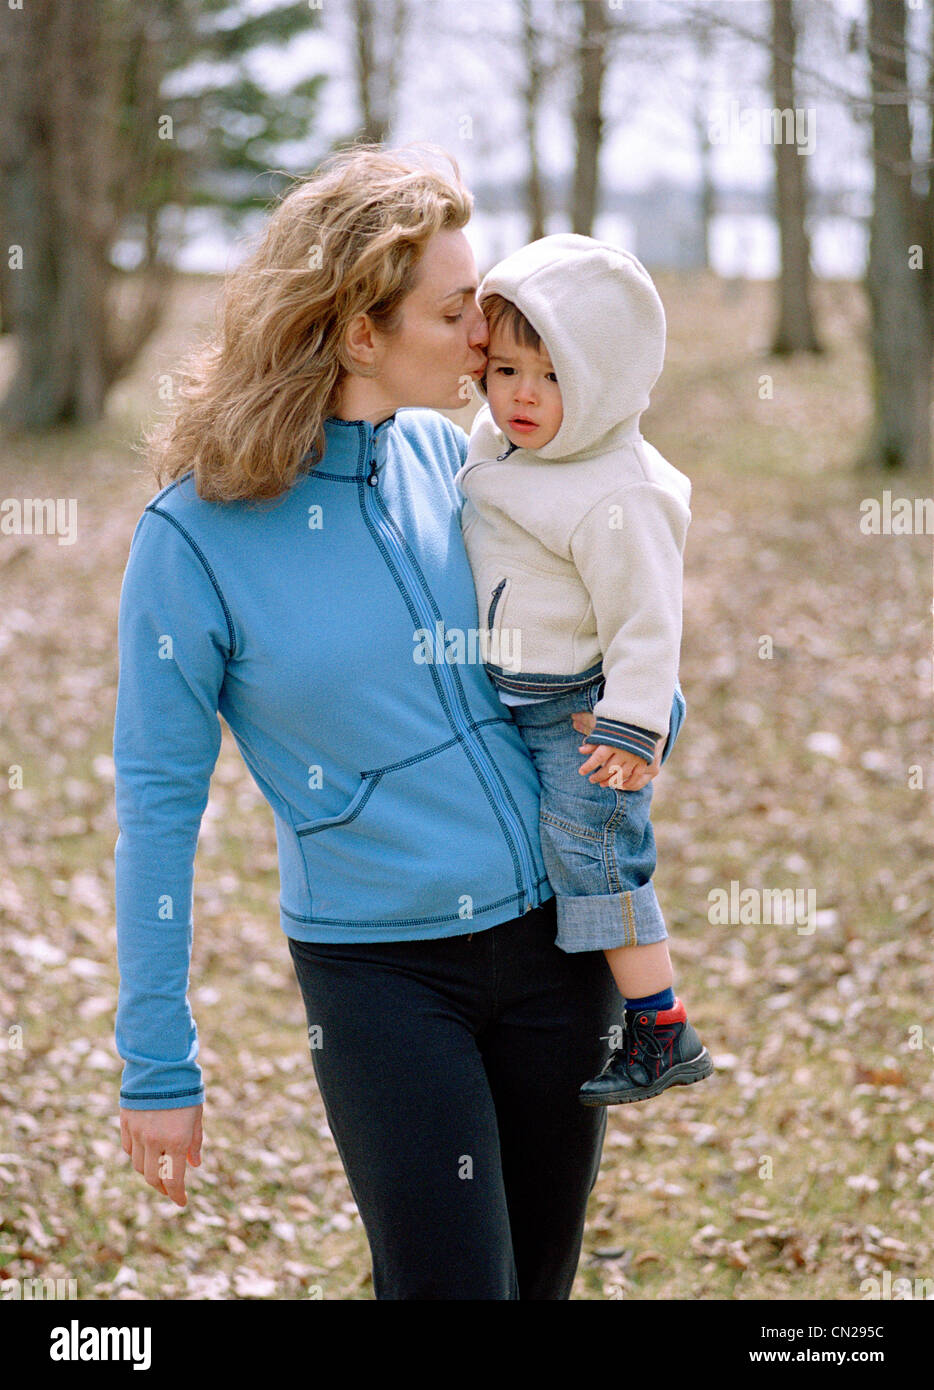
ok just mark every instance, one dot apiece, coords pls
pixel 174 1100
pixel 630 737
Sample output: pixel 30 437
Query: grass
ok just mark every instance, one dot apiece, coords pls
pixel 806 1163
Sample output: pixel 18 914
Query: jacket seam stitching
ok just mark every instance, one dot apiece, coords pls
pixel 160 1095
pixel 429 752
pixel 375 776
pixel 231 635
pixel 442 696
pixel 403 921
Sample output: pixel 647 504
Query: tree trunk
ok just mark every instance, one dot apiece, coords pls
pixel 588 115
pixel 51 177
pixel 795 331
pixel 63 128
pixel 378 53
pixel 700 117
pixel 6 288
pixel 372 125
pixel 927 240
pixel 531 98
pixel 900 333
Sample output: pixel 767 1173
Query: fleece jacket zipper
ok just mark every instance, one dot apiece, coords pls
pixel 418 596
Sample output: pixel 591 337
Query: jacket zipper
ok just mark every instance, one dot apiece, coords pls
pixel 497 594
pixel 417 591
pixel 498 458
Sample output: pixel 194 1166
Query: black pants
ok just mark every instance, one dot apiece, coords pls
pixel 449 1071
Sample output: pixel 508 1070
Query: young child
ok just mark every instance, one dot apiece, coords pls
pixel 575 527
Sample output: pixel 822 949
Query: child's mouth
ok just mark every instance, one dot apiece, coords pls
pixel 522 424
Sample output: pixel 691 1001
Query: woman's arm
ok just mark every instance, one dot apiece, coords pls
pixel 175 637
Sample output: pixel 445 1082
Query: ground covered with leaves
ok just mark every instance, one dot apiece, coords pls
pixel 804 1166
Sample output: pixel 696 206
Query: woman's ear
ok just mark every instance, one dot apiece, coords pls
pixel 360 342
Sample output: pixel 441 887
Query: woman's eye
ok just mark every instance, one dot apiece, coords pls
pixel 455 318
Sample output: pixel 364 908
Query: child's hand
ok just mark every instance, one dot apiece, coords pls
pixel 615 768
pixel 611 762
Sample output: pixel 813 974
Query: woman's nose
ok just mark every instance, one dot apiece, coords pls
pixel 479 336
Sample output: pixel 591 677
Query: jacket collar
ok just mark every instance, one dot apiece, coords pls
pixel 350 445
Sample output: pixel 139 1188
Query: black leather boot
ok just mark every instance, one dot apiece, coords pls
pixel 659 1049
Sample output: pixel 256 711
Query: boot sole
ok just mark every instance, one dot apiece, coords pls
pixel 681 1075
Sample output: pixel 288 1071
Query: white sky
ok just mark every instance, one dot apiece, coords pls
pixel 463 65
pixel 459 68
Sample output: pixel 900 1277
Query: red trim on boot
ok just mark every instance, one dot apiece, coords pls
pixel 676 1014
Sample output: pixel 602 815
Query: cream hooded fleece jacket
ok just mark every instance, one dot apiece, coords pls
pixel 576 548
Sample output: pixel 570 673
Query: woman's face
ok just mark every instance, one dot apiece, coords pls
pixel 439 348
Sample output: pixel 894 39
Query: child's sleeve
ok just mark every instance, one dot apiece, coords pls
pixel 628 550
pixel 175 635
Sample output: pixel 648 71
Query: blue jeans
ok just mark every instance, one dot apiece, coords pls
pixel 598 843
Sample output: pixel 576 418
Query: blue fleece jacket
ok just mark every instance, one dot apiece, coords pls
pixel 335 629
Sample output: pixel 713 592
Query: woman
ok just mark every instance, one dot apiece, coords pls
pixel 302 573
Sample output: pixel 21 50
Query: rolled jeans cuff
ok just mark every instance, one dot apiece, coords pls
pixel 600 921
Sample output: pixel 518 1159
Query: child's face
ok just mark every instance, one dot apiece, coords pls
pixel 522 391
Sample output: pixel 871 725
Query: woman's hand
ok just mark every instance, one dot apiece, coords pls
pixel 160 1142
pixel 584 721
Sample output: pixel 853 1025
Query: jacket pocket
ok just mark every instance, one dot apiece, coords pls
pixel 350 812
pixel 504 644
pixel 496 599
pixel 536 620
pixel 394 851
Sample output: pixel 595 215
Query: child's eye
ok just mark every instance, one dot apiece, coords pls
pixel 553 376
pixel 505 370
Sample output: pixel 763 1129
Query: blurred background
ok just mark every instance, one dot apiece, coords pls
pixel 752 139
pixel 771 163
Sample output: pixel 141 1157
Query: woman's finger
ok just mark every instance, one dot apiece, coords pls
pixel 152 1170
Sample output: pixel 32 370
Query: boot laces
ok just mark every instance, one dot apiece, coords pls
pixel 645 1041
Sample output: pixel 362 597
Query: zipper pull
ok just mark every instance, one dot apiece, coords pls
pixel 373 478
pixel 494 600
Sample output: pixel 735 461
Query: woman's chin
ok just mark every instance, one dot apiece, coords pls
pixel 455 400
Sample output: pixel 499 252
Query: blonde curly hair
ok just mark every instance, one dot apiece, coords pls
pixel 343 241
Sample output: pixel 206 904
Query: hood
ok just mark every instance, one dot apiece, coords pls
pixel 597 312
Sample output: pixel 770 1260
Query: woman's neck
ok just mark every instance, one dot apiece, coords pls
pixel 361 399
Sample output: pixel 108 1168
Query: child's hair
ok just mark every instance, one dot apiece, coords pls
pixel 502 313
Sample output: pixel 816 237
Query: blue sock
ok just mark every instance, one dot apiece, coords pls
pixel 664 999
